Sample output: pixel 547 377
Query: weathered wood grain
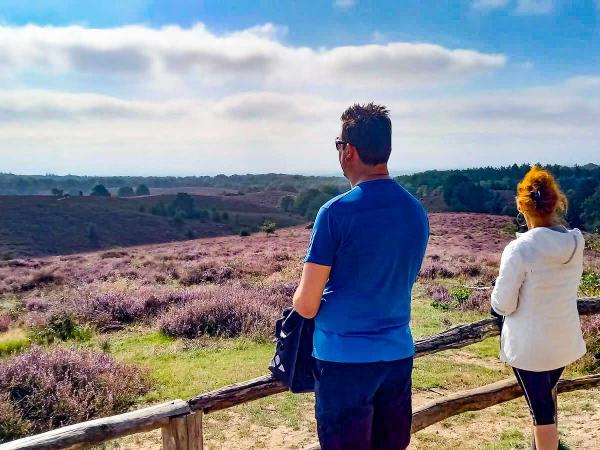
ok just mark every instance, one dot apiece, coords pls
pixel 86 434
pixel 484 397
pixel 194 430
pixel 236 394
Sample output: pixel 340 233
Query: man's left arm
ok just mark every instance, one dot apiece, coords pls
pixel 307 298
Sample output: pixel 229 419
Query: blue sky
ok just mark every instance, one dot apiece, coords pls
pixel 195 87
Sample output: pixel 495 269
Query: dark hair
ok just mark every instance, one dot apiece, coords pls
pixel 369 129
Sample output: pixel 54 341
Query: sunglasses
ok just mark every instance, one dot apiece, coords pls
pixel 340 145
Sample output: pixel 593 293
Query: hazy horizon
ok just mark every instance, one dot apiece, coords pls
pixel 308 174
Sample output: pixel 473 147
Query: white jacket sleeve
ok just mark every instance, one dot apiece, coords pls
pixel 505 297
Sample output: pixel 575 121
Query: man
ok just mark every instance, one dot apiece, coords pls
pixel 365 252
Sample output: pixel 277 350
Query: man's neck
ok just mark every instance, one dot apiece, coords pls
pixel 379 174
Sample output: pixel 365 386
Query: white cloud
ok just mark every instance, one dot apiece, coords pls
pixel 345 4
pixel 42 106
pixel 265 131
pixel 489 4
pixel 535 7
pixel 255 56
pixel 248 102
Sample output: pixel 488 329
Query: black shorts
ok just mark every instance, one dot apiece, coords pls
pixel 540 392
pixel 364 405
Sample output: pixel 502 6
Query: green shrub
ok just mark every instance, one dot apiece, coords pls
pixel 142 189
pixel 100 191
pixel 268 226
pixel 460 294
pixel 590 362
pixel 126 191
pixel 590 284
pixel 244 232
pixel 59 327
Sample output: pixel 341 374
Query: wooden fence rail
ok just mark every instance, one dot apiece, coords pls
pixel 181 421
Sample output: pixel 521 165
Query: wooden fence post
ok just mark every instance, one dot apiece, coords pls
pixel 183 433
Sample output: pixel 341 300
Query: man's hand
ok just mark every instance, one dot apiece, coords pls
pixel 307 298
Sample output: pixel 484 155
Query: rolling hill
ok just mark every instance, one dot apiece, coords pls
pixel 46 225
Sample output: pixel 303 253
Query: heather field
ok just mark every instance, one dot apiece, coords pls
pixel 145 324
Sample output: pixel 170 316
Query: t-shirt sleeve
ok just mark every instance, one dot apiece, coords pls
pixel 323 240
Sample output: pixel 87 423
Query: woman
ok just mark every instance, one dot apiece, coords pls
pixel 536 291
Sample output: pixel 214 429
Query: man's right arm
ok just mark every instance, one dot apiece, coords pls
pixel 319 258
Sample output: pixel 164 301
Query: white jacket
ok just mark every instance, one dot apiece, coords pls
pixel 540 273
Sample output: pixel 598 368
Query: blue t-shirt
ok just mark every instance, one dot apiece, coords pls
pixel 374 238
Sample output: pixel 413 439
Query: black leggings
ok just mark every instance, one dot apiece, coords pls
pixel 540 392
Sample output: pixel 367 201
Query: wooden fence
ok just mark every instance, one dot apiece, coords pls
pixel 181 421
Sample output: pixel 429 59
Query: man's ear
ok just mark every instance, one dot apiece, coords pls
pixel 351 152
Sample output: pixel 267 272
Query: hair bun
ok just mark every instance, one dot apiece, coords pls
pixel 538 194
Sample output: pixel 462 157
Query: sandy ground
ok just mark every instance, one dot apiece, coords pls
pixel 579 423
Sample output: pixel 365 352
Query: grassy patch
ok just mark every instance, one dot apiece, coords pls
pixel 488 348
pixel 183 369
pixel 427 320
pixel 13 341
pixel 441 371
pixel 509 439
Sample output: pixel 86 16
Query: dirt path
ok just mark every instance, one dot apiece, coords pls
pixel 504 426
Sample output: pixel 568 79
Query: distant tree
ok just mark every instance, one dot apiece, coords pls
pixel 225 216
pixel 268 226
pixel 159 209
pixel 315 204
pixel 142 189
pixel 100 191
pixel 244 232
pixel 179 217
pixel 126 191
pixel 215 216
pixel 58 192
pixel 190 234
pixel 303 199
pixel 331 189
pixel 287 203
pixel 591 212
pixel 202 214
pixel 183 203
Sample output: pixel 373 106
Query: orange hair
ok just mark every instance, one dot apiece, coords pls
pixel 539 195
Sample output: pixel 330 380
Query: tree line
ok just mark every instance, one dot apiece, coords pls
pixel 492 190
pixel 11 184
pixel 484 190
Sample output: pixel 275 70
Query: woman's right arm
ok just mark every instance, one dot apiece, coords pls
pixel 505 297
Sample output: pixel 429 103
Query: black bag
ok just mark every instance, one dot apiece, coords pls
pixel 293 363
